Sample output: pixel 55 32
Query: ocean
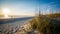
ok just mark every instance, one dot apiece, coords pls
pixel 12 24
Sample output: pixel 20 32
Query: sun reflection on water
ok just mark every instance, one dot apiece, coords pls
pixel 6 16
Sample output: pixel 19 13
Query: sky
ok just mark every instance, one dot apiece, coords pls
pixel 20 7
pixel 49 6
pixel 29 7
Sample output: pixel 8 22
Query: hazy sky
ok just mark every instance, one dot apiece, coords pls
pixel 20 7
pixel 28 7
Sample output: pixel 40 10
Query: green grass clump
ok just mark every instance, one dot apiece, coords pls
pixel 45 25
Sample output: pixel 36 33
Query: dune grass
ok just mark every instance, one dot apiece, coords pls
pixel 45 25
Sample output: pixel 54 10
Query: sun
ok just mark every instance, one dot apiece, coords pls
pixel 6 11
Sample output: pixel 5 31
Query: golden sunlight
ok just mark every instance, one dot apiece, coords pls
pixel 6 16
pixel 6 11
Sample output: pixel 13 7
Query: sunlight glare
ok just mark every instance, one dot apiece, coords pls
pixel 5 16
pixel 6 11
